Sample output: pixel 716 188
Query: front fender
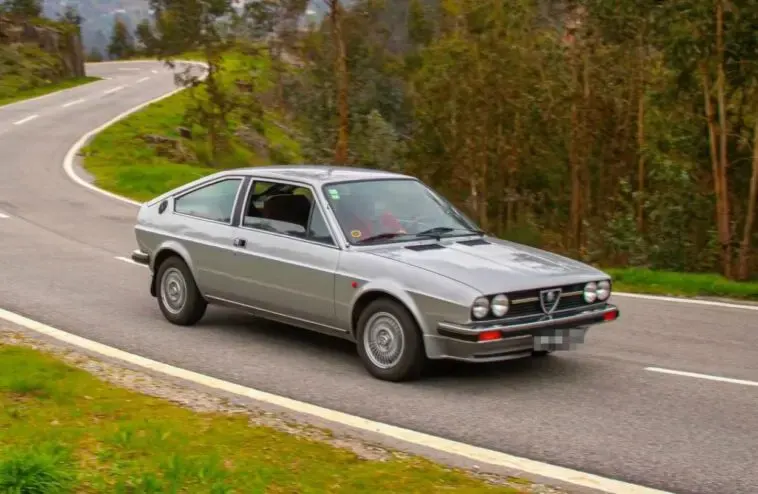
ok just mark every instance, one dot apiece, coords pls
pixel 394 289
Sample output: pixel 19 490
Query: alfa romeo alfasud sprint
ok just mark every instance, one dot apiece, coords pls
pixel 375 257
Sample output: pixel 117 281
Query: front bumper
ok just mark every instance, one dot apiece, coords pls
pixel 492 343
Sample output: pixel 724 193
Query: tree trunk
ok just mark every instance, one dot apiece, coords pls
pixel 340 152
pixel 713 147
pixel 725 230
pixel 744 258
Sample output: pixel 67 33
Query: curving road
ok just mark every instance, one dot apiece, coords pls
pixel 598 409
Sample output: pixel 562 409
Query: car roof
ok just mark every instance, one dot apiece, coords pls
pixel 315 175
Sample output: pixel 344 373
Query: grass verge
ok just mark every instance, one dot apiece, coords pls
pixel 47 89
pixel 680 284
pixel 62 430
pixel 123 160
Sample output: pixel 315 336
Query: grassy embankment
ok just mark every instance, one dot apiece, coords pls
pixel 120 159
pixel 62 431
pixel 123 163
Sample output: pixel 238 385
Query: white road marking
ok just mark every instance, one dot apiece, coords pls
pixel 154 71
pixel 130 261
pixel 68 161
pixel 4 216
pixel 479 455
pixel 75 102
pixel 24 120
pixel 143 80
pixel 113 90
pixel 125 69
pixel 707 377
pixel 712 303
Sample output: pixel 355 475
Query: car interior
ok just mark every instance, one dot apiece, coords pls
pixel 280 208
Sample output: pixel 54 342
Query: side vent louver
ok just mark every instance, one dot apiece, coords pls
pixel 425 247
pixel 477 241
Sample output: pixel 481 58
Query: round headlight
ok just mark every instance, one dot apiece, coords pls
pixel 481 307
pixel 603 290
pixel 500 305
pixel 590 292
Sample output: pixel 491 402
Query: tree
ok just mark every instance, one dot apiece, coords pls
pixel 145 37
pixel 94 55
pixel 122 43
pixel 71 16
pixel 336 13
pixel 23 8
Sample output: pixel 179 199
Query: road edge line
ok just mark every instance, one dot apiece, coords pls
pixel 474 453
pixel 684 300
pixel 68 161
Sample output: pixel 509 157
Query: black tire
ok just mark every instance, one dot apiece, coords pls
pixel 194 306
pixel 541 353
pixel 412 358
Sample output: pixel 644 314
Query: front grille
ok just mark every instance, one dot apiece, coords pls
pixel 527 303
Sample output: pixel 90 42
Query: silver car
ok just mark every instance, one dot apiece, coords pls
pixel 374 257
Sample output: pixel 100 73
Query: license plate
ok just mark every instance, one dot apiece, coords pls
pixel 558 339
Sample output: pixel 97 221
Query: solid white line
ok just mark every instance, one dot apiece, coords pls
pixel 130 261
pixel 113 90
pixel 707 377
pixel 711 303
pixel 480 455
pixel 75 102
pixel 24 120
pixel 68 161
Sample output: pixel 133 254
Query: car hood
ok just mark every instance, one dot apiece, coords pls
pixel 497 266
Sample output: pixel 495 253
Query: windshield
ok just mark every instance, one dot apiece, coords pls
pixel 375 211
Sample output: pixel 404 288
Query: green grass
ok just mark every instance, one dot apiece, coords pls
pixel 680 284
pixel 64 431
pixel 122 162
pixel 46 89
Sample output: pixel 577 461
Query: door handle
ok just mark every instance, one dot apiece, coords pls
pixel 239 242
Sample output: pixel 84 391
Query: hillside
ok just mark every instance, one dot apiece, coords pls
pixel 37 53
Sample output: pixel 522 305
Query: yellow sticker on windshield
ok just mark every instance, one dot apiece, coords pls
pixel 356 234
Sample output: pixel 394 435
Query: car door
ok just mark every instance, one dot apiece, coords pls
pixel 287 254
pixel 206 231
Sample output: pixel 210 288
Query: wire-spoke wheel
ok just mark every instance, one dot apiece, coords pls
pixel 389 341
pixel 179 299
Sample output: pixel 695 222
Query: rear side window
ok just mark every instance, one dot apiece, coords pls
pixel 214 202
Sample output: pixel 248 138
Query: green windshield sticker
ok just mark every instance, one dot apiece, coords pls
pixel 334 193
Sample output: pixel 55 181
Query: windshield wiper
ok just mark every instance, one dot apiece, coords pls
pixel 437 232
pixel 381 236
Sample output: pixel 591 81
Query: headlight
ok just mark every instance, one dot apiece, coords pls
pixel 590 292
pixel 481 307
pixel 500 305
pixel 603 290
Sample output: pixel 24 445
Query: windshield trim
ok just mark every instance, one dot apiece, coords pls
pixel 468 222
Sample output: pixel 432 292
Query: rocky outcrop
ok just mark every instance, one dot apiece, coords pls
pixel 62 42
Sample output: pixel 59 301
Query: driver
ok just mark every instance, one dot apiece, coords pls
pixel 361 219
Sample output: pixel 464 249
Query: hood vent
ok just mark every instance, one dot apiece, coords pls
pixel 476 241
pixel 425 247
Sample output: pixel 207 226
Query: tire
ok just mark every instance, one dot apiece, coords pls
pixel 541 353
pixel 187 312
pixel 391 322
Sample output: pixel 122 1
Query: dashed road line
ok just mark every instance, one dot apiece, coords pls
pixel 4 216
pixel 24 120
pixel 706 377
pixel 113 90
pixel 154 71
pixel 129 69
pixel 75 102
pixel 143 80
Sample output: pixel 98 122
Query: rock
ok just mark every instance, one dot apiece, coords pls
pixel 254 140
pixel 169 147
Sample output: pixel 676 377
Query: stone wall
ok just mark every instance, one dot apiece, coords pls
pixel 61 42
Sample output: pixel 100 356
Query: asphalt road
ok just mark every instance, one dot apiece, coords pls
pixel 596 409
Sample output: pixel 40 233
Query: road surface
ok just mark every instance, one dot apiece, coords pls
pixel 597 409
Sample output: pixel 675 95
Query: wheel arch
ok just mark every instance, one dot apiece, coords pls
pixel 371 294
pixel 165 251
